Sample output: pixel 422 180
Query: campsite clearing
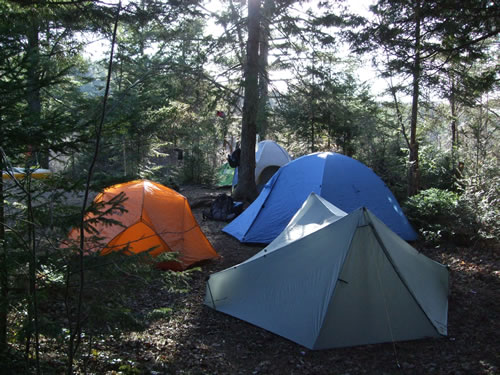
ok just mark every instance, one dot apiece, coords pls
pixel 198 340
pixel 195 339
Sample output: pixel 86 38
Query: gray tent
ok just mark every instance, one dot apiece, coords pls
pixel 334 280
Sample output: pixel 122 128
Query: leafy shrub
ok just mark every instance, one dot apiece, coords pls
pixel 436 169
pixel 440 215
pixel 196 168
pixel 166 175
pixel 482 198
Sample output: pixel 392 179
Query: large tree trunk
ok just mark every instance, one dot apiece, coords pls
pixel 33 88
pixel 413 172
pixel 262 116
pixel 246 190
pixel 453 109
pixel 3 273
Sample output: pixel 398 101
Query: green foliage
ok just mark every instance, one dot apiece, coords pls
pixel 482 197
pixel 160 313
pixel 103 180
pixel 196 168
pixel 381 146
pixel 111 286
pixel 463 217
pixel 179 282
pixel 432 211
pixel 129 370
pixel 441 215
pixel 387 159
pixel 163 98
pixel 436 169
pixel 333 114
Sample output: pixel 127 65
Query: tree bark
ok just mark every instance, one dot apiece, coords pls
pixel 453 109
pixel 262 116
pixel 413 172
pixel 33 290
pixel 246 190
pixel 4 307
pixel 33 86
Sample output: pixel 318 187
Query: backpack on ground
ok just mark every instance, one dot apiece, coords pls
pixel 223 208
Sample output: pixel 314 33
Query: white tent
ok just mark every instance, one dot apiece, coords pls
pixel 334 280
pixel 269 157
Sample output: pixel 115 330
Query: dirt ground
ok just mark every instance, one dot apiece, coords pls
pixel 198 340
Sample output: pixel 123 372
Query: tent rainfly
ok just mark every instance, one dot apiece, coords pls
pixel 156 219
pixel 332 280
pixel 341 180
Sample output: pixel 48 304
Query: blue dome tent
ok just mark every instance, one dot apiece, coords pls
pixel 341 180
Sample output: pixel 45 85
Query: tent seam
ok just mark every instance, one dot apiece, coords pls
pixel 119 234
pixel 389 258
pixel 270 254
pixel 332 295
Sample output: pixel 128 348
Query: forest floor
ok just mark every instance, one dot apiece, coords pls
pixel 196 339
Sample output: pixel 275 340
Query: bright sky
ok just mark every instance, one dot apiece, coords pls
pixel 100 48
pixel 367 73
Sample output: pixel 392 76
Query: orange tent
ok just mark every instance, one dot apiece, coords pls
pixel 155 217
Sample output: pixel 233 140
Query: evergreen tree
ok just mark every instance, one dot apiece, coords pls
pixel 413 34
pixel 246 189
